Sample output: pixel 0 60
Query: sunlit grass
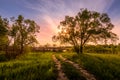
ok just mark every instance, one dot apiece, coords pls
pixel 71 72
pixel 32 66
pixel 103 66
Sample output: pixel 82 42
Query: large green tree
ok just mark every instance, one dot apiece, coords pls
pixel 23 32
pixel 86 26
pixel 3 32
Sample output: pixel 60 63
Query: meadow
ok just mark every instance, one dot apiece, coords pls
pixel 32 66
pixel 103 66
pixel 40 66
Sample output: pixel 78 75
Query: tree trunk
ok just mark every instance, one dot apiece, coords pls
pixel 81 49
pixel 6 50
pixel 21 46
pixel 21 49
pixel 76 48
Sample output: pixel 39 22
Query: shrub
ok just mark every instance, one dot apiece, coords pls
pixel 2 57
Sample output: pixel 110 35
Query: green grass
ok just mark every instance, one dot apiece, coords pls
pixel 70 71
pixel 32 66
pixel 40 66
pixel 103 66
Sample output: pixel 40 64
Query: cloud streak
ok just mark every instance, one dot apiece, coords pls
pixel 51 12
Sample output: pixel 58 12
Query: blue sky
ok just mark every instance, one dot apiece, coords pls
pixel 48 13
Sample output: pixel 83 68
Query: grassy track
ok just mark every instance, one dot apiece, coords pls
pixel 104 66
pixel 71 72
pixel 33 66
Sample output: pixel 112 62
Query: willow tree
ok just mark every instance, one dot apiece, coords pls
pixel 86 26
pixel 23 32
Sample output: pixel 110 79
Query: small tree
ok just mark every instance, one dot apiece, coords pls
pixel 86 26
pixel 23 32
pixel 3 32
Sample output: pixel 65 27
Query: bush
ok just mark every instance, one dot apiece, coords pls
pixel 101 49
pixel 3 57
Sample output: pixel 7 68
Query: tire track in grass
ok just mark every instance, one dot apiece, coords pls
pixel 71 71
pixel 61 74
pixel 83 72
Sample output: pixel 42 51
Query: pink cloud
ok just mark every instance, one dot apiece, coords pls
pixel 47 30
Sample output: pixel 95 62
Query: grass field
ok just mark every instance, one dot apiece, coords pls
pixel 40 66
pixel 71 72
pixel 103 66
pixel 32 66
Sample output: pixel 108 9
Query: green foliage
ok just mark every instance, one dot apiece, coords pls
pixel 86 26
pixel 109 49
pixel 23 32
pixel 103 66
pixel 3 26
pixel 3 32
pixel 32 66
pixel 3 42
pixel 2 56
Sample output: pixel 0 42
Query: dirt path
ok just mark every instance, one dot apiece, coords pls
pixel 61 74
pixel 83 72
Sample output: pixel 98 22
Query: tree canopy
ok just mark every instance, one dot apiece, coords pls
pixel 17 36
pixel 23 32
pixel 86 26
pixel 3 32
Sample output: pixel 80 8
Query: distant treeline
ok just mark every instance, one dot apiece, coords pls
pixel 109 49
pixel 105 49
pixel 52 49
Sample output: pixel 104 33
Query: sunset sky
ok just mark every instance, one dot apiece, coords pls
pixel 48 13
